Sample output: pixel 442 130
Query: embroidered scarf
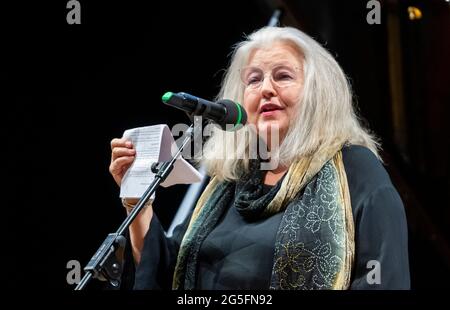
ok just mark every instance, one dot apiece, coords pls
pixel 314 245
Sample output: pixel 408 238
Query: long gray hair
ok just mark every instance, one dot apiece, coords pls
pixel 325 117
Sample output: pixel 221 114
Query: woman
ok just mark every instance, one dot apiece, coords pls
pixel 326 216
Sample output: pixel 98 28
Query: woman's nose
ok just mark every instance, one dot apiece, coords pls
pixel 267 87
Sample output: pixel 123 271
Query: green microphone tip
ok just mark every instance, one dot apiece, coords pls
pixel 166 96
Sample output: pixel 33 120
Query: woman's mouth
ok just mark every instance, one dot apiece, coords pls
pixel 269 109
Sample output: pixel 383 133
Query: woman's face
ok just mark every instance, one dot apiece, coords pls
pixel 274 85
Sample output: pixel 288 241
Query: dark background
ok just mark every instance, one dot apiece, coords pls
pixel 67 90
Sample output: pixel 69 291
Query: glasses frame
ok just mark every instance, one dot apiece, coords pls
pixel 270 72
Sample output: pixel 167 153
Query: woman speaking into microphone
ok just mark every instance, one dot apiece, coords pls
pixel 325 215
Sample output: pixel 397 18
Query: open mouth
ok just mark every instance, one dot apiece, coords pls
pixel 270 107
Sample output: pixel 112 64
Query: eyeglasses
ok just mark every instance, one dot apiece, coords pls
pixel 280 75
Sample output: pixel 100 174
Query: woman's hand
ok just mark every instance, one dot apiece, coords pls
pixel 122 156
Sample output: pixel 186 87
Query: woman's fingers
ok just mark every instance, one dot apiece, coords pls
pixel 118 152
pixel 122 156
pixel 119 166
pixel 121 142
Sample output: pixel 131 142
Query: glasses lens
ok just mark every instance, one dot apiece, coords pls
pixel 281 76
pixel 284 76
pixel 252 77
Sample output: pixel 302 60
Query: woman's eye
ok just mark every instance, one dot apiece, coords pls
pixel 283 76
pixel 253 79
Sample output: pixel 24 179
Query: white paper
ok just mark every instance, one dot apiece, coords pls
pixel 153 144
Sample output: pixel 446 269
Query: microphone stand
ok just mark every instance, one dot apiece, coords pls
pixel 107 262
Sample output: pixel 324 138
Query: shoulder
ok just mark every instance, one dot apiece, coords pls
pixel 360 161
pixel 365 173
pixel 381 231
pixel 369 183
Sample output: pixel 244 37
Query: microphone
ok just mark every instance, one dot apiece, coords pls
pixel 222 112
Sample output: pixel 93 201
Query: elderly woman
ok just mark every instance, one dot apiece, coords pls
pixel 325 216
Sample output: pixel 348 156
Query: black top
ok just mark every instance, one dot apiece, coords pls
pixel 238 254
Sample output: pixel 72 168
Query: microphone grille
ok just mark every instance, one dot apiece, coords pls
pixel 236 115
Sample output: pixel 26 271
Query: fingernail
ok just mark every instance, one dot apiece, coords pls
pixel 128 144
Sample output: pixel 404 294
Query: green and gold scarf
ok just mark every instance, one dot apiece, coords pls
pixel 314 246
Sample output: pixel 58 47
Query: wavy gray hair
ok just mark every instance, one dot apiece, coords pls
pixel 325 118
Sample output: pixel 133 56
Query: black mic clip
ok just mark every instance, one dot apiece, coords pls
pixel 107 262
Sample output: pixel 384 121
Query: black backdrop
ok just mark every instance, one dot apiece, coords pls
pixel 70 89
